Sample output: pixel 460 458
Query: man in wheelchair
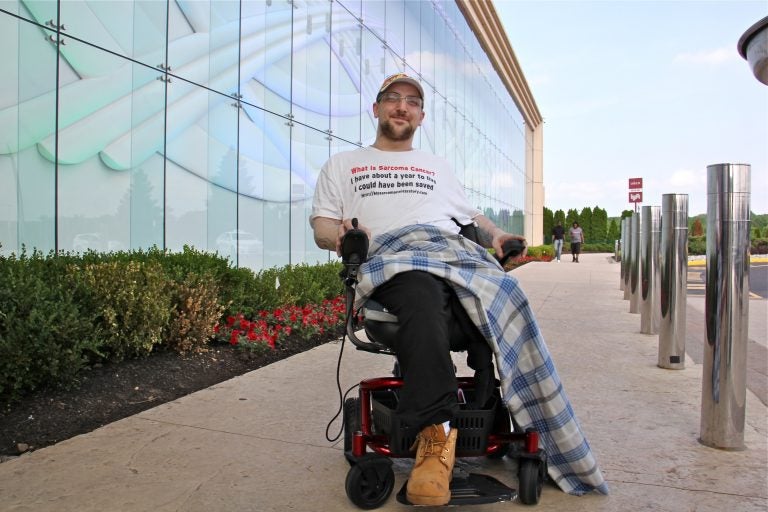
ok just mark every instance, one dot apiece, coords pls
pixel 439 284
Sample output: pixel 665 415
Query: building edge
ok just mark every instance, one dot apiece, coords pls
pixel 486 25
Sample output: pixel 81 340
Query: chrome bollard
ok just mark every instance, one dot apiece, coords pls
pixel 626 257
pixel 634 264
pixel 724 385
pixel 673 274
pixel 649 269
pixel 622 250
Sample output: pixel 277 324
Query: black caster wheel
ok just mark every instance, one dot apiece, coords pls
pixel 370 482
pixel 530 480
pixel 351 421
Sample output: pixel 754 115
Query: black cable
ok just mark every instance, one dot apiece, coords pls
pixel 342 398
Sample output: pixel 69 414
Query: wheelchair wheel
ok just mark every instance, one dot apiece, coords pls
pixel 351 421
pixel 370 482
pixel 530 481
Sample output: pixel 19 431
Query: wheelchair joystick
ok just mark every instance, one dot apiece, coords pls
pixel 354 246
pixel 512 248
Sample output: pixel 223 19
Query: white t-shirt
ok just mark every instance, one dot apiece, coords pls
pixel 387 190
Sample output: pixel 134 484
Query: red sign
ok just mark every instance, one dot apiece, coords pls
pixel 636 197
pixel 635 183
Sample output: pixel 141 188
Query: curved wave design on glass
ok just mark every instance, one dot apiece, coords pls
pixel 108 88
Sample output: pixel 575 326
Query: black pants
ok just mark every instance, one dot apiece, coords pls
pixel 575 249
pixel 432 323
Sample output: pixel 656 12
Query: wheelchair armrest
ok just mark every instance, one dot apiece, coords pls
pixel 366 345
pixel 352 327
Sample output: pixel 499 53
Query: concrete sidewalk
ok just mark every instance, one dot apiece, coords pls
pixel 257 442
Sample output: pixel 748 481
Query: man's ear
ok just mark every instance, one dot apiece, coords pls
pixel 375 110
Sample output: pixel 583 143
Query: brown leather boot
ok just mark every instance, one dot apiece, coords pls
pixel 433 468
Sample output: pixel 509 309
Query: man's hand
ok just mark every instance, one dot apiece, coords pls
pixel 492 236
pixel 345 226
pixel 328 232
pixel 512 246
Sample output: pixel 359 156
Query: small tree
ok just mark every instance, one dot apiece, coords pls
pixel 571 217
pixel 586 223
pixel 614 232
pixel 599 224
pixel 697 229
pixel 559 217
pixel 548 225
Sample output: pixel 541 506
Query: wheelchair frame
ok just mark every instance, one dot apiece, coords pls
pixel 370 480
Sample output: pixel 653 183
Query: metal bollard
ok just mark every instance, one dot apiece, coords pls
pixel 724 385
pixel 622 250
pixel 649 269
pixel 626 253
pixel 634 264
pixel 673 273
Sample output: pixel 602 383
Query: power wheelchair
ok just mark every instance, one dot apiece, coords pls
pixel 370 423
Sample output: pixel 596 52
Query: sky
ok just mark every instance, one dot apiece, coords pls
pixel 641 89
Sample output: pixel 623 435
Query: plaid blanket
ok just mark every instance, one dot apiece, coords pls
pixel 530 385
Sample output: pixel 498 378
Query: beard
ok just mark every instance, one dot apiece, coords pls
pixel 393 133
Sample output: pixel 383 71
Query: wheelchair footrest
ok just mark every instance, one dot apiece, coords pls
pixel 471 489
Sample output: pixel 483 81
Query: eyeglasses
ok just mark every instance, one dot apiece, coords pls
pixel 394 98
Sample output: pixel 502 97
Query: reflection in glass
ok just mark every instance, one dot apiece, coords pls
pixel 219 148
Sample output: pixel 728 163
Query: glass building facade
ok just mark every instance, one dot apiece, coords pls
pixel 131 124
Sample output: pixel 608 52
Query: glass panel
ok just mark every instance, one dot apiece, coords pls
pixel 266 55
pixel 373 73
pixel 265 184
pixel 43 12
pixel 204 45
pixel 27 117
pixel 221 130
pixel 412 38
pixel 395 24
pixel 109 131
pixel 354 7
pixel 201 156
pixel 428 45
pixel 346 102
pixel 312 64
pixel 309 151
pixel 374 18
pixel 133 29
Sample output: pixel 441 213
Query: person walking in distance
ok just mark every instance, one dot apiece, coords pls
pixel 577 238
pixel 557 239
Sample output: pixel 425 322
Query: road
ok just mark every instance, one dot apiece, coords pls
pixel 757 342
pixel 758 280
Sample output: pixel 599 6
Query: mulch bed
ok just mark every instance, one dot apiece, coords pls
pixel 112 392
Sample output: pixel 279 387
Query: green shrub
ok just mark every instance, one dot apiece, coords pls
pixel 45 336
pixel 62 312
pixel 538 251
pixel 131 303
pixel 196 311
pixel 697 245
